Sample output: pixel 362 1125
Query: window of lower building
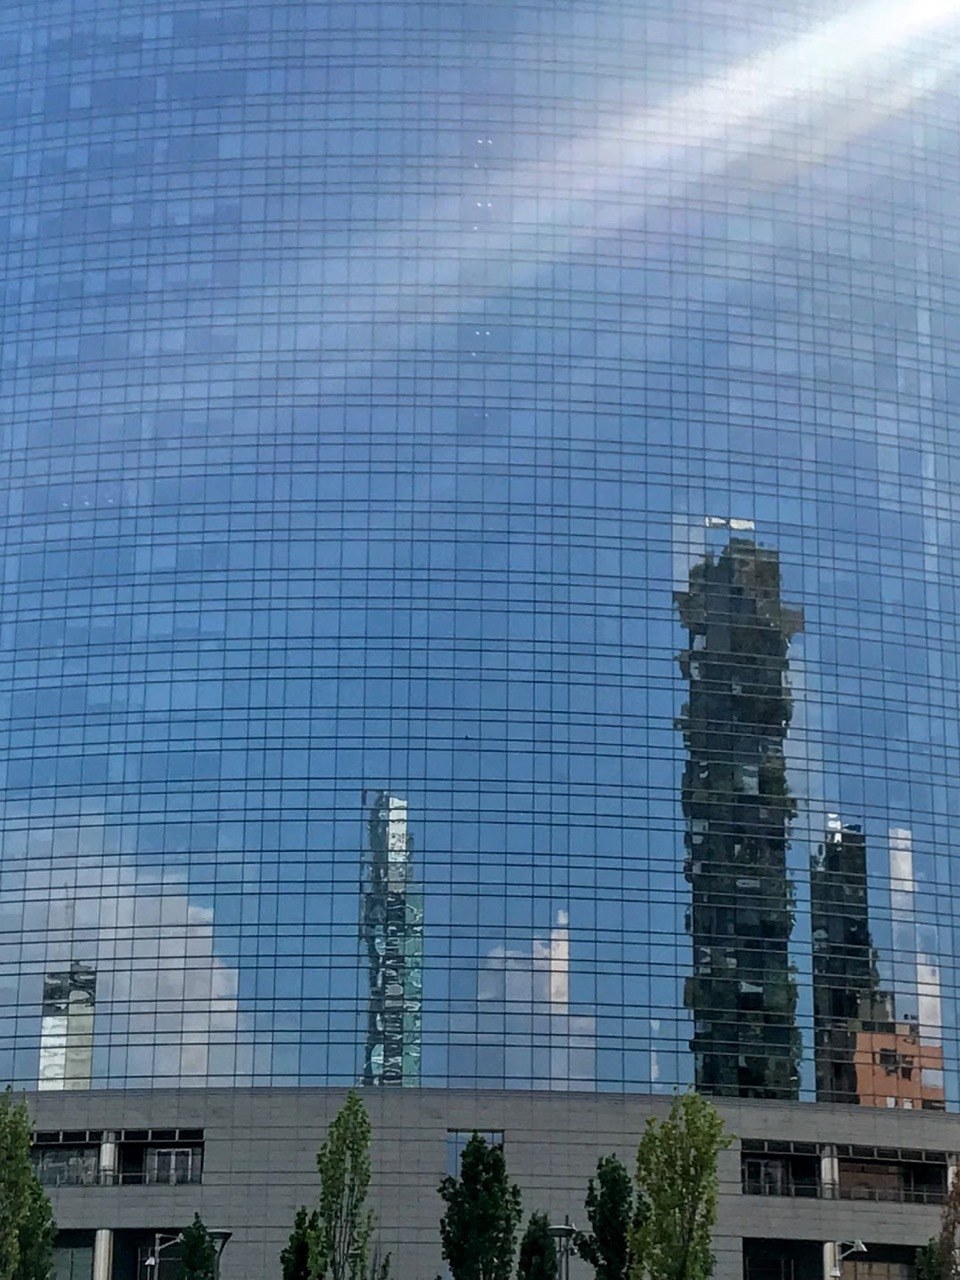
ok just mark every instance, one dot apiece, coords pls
pixel 882 1262
pixel 780 1168
pixel 782 1260
pixel 173 1165
pixel 66 1166
pixel 887 1174
pixel 160 1157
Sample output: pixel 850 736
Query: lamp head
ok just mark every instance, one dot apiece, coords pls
pixel 562 1231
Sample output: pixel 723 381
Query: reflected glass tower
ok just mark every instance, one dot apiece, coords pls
pixel 393 933
pixel 389 392
pixel 848 1007
pixel 737 808
pixel 844 967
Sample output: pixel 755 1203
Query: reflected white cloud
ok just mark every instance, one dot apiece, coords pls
pixel 917 982
pixel 527 1033
pixel 166 1006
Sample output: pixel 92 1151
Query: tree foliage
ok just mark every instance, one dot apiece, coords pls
pixel 198 1252
pixel 939 1259
pixel 610 1211
pixel 295 1257
pixel 931 1263
pixel 339 1233
pixel 538 1251
pixel 677 1181
pixel 26 1222
pixel 37 1235
pixel 379 1267
pixel 478 1230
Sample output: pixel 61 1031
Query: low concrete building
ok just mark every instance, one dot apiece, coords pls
pixel 127 1170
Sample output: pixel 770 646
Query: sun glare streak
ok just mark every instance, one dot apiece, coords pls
pixel 742 110
pixel 837 80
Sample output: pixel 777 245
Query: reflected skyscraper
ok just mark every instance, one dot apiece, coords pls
pixel 863 1053
pixel 66 1028
pixel 393 933
pixel 846 996
pixel 737 809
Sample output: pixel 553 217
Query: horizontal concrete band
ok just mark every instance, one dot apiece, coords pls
pixel 260 1147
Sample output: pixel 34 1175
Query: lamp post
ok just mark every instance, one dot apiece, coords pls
pixel 563 1234
pixel 220 1239
pixel 166 1240
pixel 843 1249
pixel 161 1240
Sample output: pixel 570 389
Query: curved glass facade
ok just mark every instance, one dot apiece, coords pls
pixel 480 545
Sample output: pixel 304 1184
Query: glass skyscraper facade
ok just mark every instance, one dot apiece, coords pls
pixel 480 538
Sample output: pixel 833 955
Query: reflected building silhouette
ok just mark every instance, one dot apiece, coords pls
pixel 737 810
pixel 847 1001
pixel 862 1053
pixel 392 929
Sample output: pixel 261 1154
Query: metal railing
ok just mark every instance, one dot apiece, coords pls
pixel 105 1178
pixel 797 1189
pixel 894 1195
pixel 68 1177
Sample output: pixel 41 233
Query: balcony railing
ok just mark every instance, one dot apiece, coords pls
pixel 68 1177
pixel 797 1189
pixel 103 1178
pixel 142 1178
pixel 812 1190
pixel 894 1195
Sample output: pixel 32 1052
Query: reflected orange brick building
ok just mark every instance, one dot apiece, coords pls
pixel 894 1068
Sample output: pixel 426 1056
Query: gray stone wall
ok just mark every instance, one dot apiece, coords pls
pixel 261 1143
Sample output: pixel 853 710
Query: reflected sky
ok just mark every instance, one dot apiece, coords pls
pixel 372 378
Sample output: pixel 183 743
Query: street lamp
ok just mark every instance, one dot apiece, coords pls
pixel 563 1233
pixel 161 1240
pixel 220 1239
pixel 165 1240
pixel 844 1248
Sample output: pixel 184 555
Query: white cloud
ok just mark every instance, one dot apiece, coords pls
pixel 167 1008
pixel 526 1032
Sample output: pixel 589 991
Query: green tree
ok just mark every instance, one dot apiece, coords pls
pixel 26 1222
pixel 379 1265
pixel 931 1264
pixel 939 1258
pixel 339 1245
pixel 677 1181
pixel 610 1211
pixel 479 1228
pixel 295 1258
pixel 538 1251
pixel 37 1236
pixel 198 1252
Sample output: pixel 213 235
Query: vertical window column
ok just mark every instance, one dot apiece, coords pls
pixel 108 1158
pixel 829 1172
pixel 103 1240
pixel 103 1254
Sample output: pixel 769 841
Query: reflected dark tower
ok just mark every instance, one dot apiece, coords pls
pixel 846 995
pixel 393 933
pixel 737 810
